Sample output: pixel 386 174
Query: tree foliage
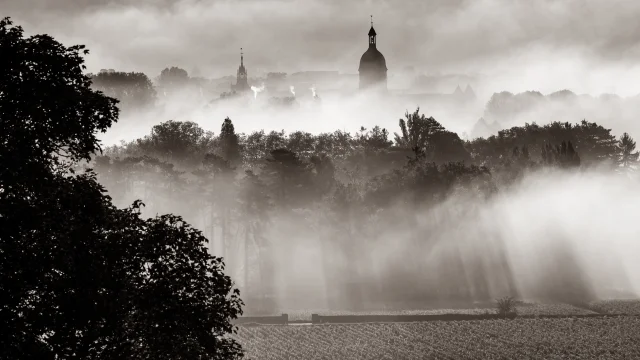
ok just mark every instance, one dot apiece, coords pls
pixel 173 77
pixel 626 148
pixel 133 89
pixel 229 142
pixel 79 277
pixel 347 190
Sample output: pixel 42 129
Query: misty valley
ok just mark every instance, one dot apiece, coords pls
pixel 370 221
pixel 389 214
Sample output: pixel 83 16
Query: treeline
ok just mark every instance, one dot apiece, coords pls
pixel 505 104
pixel 344 194
pixel 135 90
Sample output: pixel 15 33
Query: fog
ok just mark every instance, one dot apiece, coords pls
pixel 347 112
pixel 555 235
pixel 589 46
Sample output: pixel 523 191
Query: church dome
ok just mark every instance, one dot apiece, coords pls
pixel 372 59
pixel 373 65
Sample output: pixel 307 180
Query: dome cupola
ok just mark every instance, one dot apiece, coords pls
pixel 373 66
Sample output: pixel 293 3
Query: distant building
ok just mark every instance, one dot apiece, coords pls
pixel 241 80
pixel 373 66
pixel 467 95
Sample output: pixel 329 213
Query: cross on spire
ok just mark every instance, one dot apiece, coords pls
pixel 371 20
pixel 241 57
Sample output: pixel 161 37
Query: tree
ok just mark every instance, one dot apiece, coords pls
pixel 374 139
pixel 229 144
pixel 417 130
pixel 627 156
pixel 178 141
pixel 173 77
pixel 430 137
pixel 301 143
pixel 288 177
pixel 563 155
pixel 500 105
pixel 133 89
pixel 80 278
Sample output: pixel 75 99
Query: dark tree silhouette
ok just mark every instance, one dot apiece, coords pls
pixel 417 130
pixel 228 142
pixel 132 89
pixel 563 155
pixel 375 139
pixel 173 77
pixel 80 278
pixel 288 177
pixel 177 141
pixel 626 148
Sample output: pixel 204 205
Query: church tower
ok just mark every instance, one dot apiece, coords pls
pixel 241 80
pixel 373 66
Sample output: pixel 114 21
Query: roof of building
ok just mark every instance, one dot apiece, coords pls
pixel 372 58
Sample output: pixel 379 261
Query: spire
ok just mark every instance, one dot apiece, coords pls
pixel 241 58
pixel 372 34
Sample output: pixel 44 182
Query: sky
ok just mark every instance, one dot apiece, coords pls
pixel 590 46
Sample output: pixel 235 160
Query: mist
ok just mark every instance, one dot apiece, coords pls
pixel 567 237
pixel 554 235
pixel 335 111
pixel 587 46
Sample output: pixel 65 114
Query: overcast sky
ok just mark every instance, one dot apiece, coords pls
pixel 590 44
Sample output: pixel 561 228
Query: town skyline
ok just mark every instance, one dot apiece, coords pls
pixel 588 46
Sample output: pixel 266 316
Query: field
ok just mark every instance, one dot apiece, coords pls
pixel 611 337
pixel 631 307
pixel 522 309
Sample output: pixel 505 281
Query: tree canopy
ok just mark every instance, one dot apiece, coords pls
pixel 133 89
pixel 79 277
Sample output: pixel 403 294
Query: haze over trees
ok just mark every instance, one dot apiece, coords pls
pixel 80 277
pixel 344 196
pixel 384 219
pixel 132 89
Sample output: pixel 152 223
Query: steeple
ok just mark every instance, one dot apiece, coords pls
pixel 372 34
pixel 241 82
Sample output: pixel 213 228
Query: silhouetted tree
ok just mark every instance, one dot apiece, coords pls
pixel 177 141
pixel 173 77
pixel 563 155
pixel 80 278
pixel 626 148
pixel 417 130
pixel 288 177
pixel 301 143
pixel 255 148
pixel 228 142
pixel 131 88
pixel 375 139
